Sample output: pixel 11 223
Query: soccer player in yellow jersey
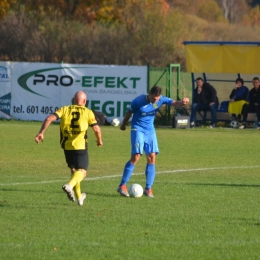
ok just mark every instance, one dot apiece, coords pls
pixel 74 122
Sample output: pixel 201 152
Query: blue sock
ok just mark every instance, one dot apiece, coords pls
pixel 150 175
pixel 129 167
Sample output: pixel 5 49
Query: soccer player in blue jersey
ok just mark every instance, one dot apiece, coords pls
pixel 143 135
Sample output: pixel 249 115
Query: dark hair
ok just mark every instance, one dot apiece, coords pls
pixel 255 78
pixel 155 91
pixel 240 80
pixel 199 78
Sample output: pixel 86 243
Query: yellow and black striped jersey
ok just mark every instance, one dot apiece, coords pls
pixel 73 126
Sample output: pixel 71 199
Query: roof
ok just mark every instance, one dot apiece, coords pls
pixel 222 57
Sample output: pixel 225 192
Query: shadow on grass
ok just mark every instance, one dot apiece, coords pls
pixel 15 190
pixel 225 185
pixel 100 194
pixel 103 194
pixel 247 221
pixel 250 222
pixel 52 206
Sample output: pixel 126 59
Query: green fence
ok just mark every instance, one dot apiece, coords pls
pixel 174 83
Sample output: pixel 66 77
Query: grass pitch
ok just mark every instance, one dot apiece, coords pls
pixel 206 205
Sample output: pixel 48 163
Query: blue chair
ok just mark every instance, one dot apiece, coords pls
pixel 222 108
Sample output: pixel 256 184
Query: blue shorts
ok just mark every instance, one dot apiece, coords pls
pixel 144 141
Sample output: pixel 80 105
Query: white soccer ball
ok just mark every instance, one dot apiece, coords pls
pixel 115 122
pixel 135 191
pixel 234 124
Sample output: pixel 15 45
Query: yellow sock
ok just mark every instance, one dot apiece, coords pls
pixel 77 177
pixel 77 190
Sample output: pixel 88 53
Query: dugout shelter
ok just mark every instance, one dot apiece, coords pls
pixel 220 64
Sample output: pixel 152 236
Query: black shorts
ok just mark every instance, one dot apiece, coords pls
pixel 77 159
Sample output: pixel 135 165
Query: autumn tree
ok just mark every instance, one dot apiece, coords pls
pixel 205 9
pixel 209 10
pixel 125 32
pixel 253 18
pixel 234 10
pixel 5 6
pixel 87 11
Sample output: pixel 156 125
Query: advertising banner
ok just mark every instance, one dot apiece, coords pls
pixel 5 89
pixel 38 89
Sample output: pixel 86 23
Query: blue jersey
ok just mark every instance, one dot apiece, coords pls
pixel 144 112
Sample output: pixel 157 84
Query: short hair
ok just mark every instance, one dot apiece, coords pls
pixel 240 80
pixel 199 78
pixel 155 91
pixel 256 78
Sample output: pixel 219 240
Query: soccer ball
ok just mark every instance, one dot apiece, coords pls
pixel 115 122
pixel 234 124
pixel 135 191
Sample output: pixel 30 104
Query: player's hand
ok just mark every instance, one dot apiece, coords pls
pixel 39 138
pixel 99 143
pixel 185 101
pixel 199 90
pixel 123 127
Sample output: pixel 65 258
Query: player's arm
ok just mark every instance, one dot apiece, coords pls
pixel 98 134
pixel 125 120
pixel 40 136
pixel 179 104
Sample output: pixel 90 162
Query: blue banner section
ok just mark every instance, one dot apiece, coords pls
pixel 4 77
pixel 5 104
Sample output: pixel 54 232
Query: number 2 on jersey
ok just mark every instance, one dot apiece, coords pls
pixel 73 122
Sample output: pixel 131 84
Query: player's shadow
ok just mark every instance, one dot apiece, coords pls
pixel 101 194
pixel 225 185
pixel 246 221
pixel 16 190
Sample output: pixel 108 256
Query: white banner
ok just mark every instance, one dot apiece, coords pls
pixel 5 89
pixel 38 89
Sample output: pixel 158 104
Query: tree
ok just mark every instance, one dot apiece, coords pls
pixel 88 11
pixel 209 10
pixel 5 6
pixel 234 10
pixel 253 18
pixel 205 9
pixel 130 32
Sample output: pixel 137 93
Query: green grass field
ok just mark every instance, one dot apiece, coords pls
pixel 206 205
